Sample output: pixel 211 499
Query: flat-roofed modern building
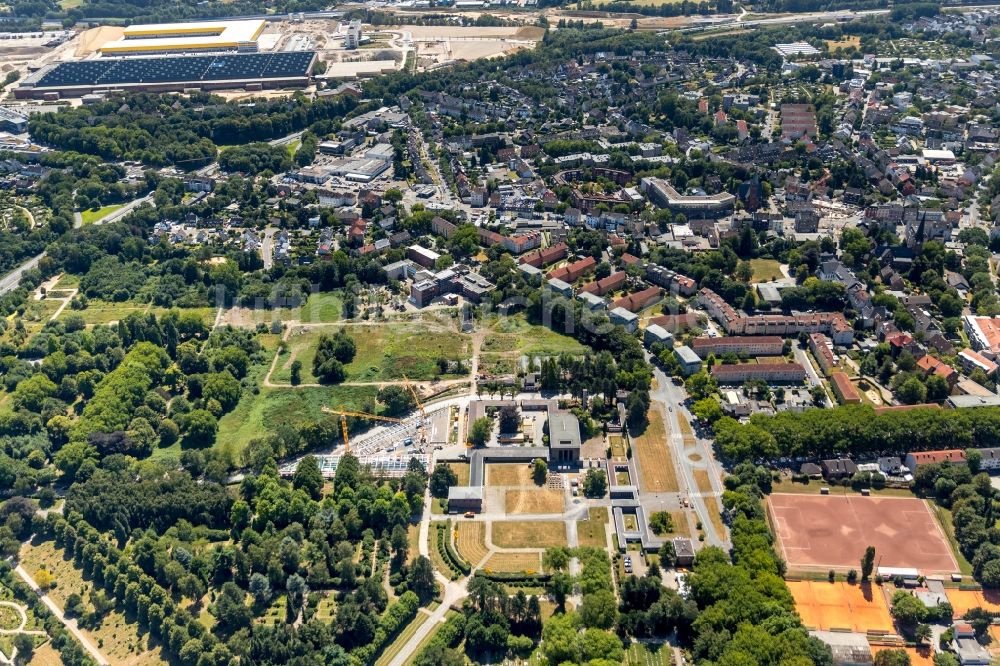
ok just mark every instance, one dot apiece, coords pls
pixel 193 37
pixel 564 438
pixel 662 193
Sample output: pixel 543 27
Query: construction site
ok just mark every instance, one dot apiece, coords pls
pixel 248 56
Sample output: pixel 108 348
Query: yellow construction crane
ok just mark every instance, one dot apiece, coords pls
pixel 420 406
pixel 344 413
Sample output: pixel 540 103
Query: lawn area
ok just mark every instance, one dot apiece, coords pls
pixel 656 466
pixel 405 635
pixel 591 532
pixel 704 485
pixel 91 216
pixel 534 500
pixel 944 517
pixel 68 281
pixel 617 446
pixel 384 352
pixel 256 415
pixel 813 486
pixel 765 270
pixel 529 534
pixel 514 562
pixel 461 470
pixel 516 334
pixel 509 474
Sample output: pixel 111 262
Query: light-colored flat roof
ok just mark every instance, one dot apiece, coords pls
pixel 185 36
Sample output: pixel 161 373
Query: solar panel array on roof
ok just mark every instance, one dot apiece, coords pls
pixel 228 67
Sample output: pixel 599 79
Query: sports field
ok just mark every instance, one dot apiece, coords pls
pixel 827 606
pixel 964 600
pixel 832 531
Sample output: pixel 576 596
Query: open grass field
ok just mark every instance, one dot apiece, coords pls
pixel 765 270
pixel 591 532
pixel 461 470
pixel 498 364
pixel 831 531
pixel 540 500
pixel 105 312
pixel 964 600
pixel 514 562
pixel 470 540
pixel 508 474
pixel 384 352
pixel 823 605
pixel 845 43
pixel 656 466
pixel 91 216
pixel 405 635
pixel 119 639
pixel 529 533
pixel 516 334
pixel 260 413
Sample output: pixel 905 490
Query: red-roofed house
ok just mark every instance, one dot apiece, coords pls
pixel 933 366
pixel 945 457
pixel 574 271
pixel 613 282
pixel 639 300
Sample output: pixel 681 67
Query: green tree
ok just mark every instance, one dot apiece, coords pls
pixel 442 478
pixel 308 477
pixel 421 579
pixel 396 399
pixel 892 657
pixel 599 609
pixel 296 377
pixel 912 391
pixel 539 471
pixel 595 483
pixel 201 428
pixel 480 431
pixel 661 522
pixel 908 610
pixel 867 563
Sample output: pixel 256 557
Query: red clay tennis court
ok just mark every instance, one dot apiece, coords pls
pixel 840 606
pixel 832 532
